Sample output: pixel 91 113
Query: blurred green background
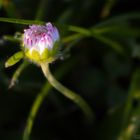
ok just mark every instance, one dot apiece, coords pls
pixel 101 62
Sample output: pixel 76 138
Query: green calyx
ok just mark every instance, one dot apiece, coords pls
pixel 47 56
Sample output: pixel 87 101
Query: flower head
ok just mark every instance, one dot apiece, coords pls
pixel 39 43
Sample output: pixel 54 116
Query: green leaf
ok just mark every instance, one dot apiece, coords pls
pixel 41 9
pixel 124 30
pixel 14 59
pixel 80 30
pixel 21 21
pixel 11 38
pixel 0 3
pixel 111 43
pixel 119 19
pixel 131 113
pixel 71 37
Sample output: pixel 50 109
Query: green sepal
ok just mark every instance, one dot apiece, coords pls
pixel 36 57
pixel 33 55
pixel 47 56
pixel 14 59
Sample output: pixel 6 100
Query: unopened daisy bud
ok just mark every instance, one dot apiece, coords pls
pixel 40 43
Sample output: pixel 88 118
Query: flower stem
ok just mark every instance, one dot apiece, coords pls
pixel 42 96
pixel 66 92
pixel 34 109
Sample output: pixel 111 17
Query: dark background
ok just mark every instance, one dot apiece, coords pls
pixel 107 79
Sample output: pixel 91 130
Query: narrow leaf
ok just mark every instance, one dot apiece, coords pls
pixel 131 114
pixel 14 59
pixel 117 19
pixel 127 31
pixel 21 21
pixel 80 30
pixel 11 38
pixel 112 43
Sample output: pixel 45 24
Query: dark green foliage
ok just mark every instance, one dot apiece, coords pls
pixel 101 62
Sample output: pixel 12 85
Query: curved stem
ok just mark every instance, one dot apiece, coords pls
pixel 41 96
pixel 34 109
pixel 66 92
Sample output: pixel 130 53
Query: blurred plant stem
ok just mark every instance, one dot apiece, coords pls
pixel 34 109
pixel 67 93
pixel 42 95
pixel 41 10
pixel 17 73
pixel 98 35
pixel 20 21
pixel 10 8
pixel 116 46
pixel 1 3
pixel 11 38
pixel 131 114
pixel 107 8
pixel 71 38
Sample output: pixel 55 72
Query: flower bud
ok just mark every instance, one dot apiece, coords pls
pixel 40 43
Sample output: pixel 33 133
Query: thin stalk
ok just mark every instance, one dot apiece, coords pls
pixel 42 96
pixel 131 114
pixel 41 10
pixel 20 21
pixel 34 109
pixel 109 4
pixel 17 73
pixel 67 93
pixel 11 38
pixel 70 38
pixel 112 43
